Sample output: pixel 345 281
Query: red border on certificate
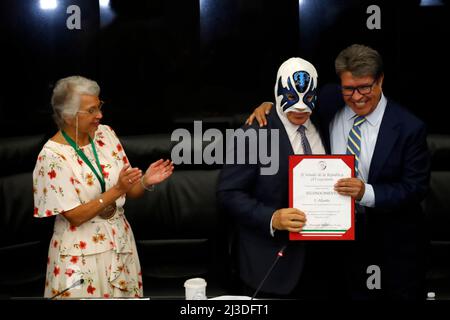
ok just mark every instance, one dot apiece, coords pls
pixel 294 160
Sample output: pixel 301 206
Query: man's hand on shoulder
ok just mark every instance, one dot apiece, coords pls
pixel 260 114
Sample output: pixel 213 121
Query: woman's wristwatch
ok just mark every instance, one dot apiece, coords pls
pixel 148 188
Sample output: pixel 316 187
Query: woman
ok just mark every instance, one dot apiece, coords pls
pixel 82 176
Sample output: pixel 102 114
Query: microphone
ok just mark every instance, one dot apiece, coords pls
pixel 279 255
pixel 75 284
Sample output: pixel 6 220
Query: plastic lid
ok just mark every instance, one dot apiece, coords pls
pixel 195 283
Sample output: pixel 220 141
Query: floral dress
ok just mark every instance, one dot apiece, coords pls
pixel 101 252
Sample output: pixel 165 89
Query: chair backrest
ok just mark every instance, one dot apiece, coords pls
pixel 437 203
pixel 23 239
pixel 179 230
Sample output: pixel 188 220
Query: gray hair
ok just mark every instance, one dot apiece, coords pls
pixel 66 96
pixel 360 60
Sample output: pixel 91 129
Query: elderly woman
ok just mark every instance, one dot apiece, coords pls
pixel 82 176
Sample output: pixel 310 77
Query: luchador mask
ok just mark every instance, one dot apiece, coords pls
pixel 295 89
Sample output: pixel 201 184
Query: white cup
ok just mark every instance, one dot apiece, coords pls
pixel 195 289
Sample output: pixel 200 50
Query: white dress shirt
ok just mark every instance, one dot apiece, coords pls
pixel 341 126
pixel 295 138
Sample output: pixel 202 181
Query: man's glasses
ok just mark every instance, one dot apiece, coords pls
pixel 94 110
pixel 363 90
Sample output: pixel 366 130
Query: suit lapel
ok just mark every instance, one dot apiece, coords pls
pixel 330 102
pixel 325 135
pixel 323 130
pixel 387 137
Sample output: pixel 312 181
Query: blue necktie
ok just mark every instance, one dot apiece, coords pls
pixel 354 141
pixel 305 142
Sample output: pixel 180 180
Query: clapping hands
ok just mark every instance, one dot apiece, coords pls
pixel 157 172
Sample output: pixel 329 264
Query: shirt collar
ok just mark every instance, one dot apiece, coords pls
pixel 291 129
pixel 374 117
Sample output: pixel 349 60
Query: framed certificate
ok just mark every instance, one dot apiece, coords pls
pixel 329 215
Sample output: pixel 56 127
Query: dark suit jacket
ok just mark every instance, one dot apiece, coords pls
pixel 251 199
pixel 391 233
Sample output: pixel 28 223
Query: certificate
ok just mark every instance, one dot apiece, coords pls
pixel 329 215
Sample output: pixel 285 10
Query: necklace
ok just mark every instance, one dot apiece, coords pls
pixel 83 156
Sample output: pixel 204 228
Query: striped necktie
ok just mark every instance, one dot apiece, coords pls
pixel 354 141
pixel 305 142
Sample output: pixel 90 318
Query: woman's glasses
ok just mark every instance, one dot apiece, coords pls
pixel 94 110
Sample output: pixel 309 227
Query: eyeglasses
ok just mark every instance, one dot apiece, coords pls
pixel 94 110
pixel 363 90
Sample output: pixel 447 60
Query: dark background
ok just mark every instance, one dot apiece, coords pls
pixel 162 64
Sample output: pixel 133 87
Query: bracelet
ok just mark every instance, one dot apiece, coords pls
pixel 151 188
pixel 108 212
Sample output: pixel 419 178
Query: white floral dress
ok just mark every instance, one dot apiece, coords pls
pixel 101 252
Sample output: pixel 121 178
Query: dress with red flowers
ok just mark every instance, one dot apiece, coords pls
pixel 101 252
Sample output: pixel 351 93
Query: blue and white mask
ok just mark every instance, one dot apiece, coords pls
pixel 295 89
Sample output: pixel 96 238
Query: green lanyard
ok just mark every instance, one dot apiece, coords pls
pixel 80 152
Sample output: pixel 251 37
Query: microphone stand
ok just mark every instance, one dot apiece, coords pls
pixel 75 284
pixel 279 255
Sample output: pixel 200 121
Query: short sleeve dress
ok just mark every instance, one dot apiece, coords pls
pixel 101 252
